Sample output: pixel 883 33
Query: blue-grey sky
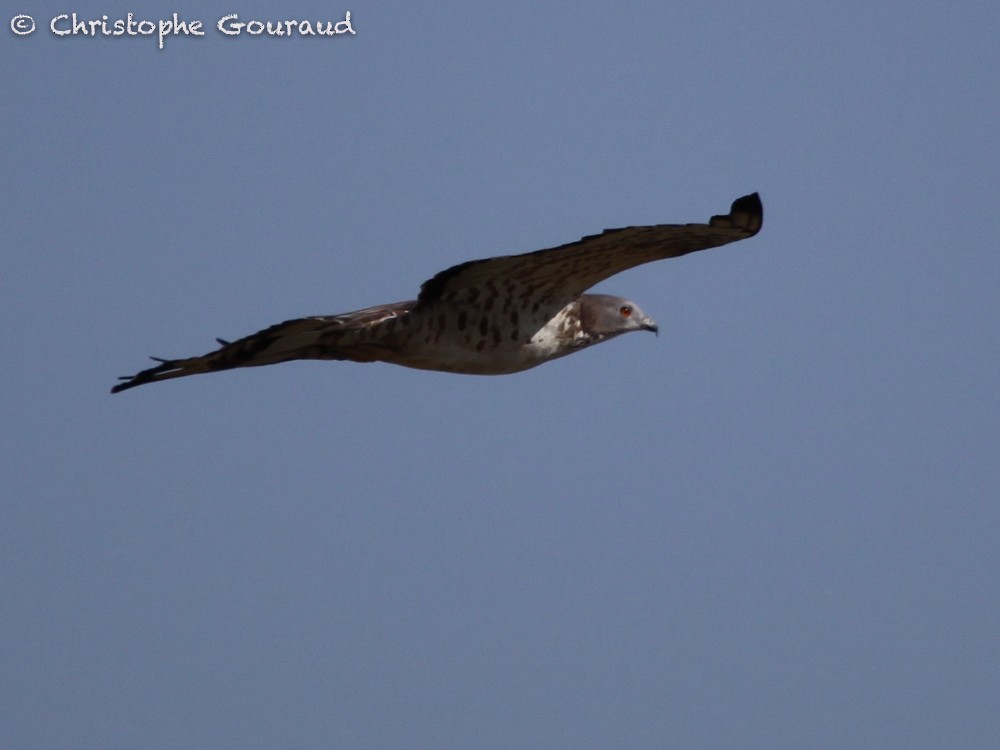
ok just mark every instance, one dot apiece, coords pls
pixel 775 525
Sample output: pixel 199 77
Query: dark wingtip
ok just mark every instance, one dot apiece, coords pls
pixel 130 382
pixel 748 204
pixel 146 376
pixel 747 211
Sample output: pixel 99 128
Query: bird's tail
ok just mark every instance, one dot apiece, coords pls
pixel 293 339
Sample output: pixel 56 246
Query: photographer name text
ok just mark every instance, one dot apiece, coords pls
pixel 71 25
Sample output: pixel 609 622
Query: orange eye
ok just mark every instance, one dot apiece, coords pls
pixel 625 311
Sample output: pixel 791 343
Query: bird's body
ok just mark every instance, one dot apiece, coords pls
pixel 488 317
pixel 483 344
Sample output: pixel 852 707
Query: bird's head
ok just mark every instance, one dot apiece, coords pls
pixel 604 316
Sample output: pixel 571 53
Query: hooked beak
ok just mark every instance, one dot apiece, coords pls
pixel 650 325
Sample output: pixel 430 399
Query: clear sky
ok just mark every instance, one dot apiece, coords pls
pixel 774 526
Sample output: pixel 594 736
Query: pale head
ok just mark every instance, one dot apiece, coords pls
pixel 604 316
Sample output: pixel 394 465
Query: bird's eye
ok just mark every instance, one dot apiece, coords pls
pixel 625 311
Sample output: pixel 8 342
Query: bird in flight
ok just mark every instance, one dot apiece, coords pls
pixel 484 317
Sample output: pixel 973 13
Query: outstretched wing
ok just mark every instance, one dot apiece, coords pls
pixel 556 276
pixel 534 284
pixel 318 337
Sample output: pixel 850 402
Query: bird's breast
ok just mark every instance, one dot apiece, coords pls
pixel 473 341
